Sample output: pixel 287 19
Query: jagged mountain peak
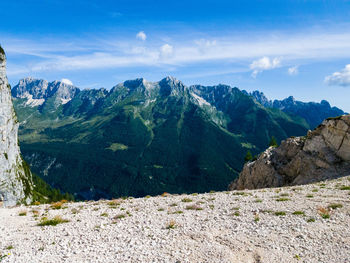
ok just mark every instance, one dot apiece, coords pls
pixel 37 91
pixel 313 112
pixel 260 97
pixel 170 86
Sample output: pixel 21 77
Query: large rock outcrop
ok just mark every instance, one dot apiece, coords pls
pixel 323 154
pixel 15 177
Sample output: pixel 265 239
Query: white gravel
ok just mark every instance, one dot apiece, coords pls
pixel 225 230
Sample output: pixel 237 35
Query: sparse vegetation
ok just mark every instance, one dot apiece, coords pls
pixel 283 199
pixel 74 211
pixel 104 214
pixel 335 206
pixel 2 257
pixel 22 213
pixel 35 213
pixel 171 225
pixel 52 222
pixel 248 157
pixel 299 213
pixel 311 219
pixel 280 213
pixel 344 187
pixel 256 218
pixel 273 142
pixel 194 207
pixel 187 200
pixel 239 193
pixel 309 196
pixel 114 203
pixel 324 212
pixel 119 216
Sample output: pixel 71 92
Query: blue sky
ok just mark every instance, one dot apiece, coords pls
pixel 299 48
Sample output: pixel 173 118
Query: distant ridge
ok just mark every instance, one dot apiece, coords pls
pixel 314 113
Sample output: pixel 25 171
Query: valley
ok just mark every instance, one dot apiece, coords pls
pixel 145 137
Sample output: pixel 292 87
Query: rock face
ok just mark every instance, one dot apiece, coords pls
pixel 38 91
pixel 15 177
pixel 323 154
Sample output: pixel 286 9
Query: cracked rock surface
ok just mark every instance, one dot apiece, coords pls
pixel 323 154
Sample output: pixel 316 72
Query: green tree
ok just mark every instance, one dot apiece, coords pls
pixel 248 157
pixel 273 142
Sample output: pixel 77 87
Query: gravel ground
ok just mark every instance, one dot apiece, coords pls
pixel 237 226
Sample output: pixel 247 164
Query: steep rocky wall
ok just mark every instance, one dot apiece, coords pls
pixel 323 154
pixel 15 177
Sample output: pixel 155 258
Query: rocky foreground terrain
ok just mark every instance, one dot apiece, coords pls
pixel 323 154
pixel 308 223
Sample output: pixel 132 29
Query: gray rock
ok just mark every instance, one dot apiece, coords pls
pixel 38 91
pixel 323 154
pixel 15 177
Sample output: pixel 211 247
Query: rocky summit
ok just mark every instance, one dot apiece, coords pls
pixel 15 177
pixel 323 154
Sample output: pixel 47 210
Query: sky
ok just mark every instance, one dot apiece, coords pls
pixel 282 47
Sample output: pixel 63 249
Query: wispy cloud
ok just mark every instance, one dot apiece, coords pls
pixel 293 70
pixel 264 63
pixel 108 52
pixel 141 35
pixel 341 78
pixel 67 81
pixel 166 50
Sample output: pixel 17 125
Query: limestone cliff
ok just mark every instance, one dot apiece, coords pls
pixel 324 153
pixel 15 177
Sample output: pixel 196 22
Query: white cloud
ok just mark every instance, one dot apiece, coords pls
pixel 52 54
pixel 264 63
pixel 341 78
pixel 141 35
pixel 205 42
pixel 293 70
pixel 166 50
pixel 67 81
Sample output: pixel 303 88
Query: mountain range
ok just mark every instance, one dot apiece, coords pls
pixel 145 138
pixel 314 113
